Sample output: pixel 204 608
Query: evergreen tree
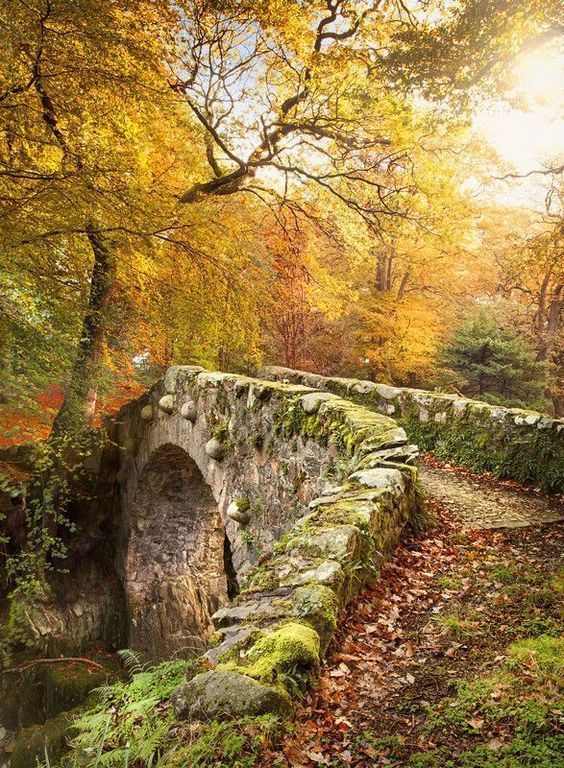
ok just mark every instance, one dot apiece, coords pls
pixel 493 363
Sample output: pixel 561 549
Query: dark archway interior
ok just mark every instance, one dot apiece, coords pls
pixel 230 573
pixel 176 558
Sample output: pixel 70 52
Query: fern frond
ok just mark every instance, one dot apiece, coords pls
pixel 132 662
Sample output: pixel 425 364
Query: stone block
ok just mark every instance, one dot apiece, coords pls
pixel 225 694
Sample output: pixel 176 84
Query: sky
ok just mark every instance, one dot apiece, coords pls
pixel 527 131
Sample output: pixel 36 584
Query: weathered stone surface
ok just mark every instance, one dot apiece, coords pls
pixel 166 403
pixel 233 636
pixel 147 413
pixel 239 510
pixel 175 574
pixel 379 477
pixel 328 573
pixel 336 543
pixel 405 454
pixel 478 435
pixel 235 614
pixel 173 373
pixel 311 402
pixel 189 410
pixel 215 449
pixel 227 694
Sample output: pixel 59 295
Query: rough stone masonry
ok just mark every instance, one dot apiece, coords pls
pixel 290 497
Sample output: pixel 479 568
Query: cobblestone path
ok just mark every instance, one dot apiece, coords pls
pixel 487 504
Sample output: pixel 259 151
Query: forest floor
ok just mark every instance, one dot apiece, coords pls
pixel 454 658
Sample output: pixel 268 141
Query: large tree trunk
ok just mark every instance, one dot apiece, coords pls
pixel 77 410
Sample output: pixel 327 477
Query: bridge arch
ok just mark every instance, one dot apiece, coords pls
pixel 174 557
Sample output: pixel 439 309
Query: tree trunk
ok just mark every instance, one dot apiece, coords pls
pixel 77 410
pixel 381 271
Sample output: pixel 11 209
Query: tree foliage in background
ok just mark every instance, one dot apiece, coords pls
pixel 237 182
pixel 494 364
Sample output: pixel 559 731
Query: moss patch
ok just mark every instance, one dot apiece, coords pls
pixel 288 655
pixel 33 742
pixel 45 690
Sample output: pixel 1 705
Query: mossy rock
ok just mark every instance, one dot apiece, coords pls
pixel 227 694
pixel 319 606
pixel 32 742
pixel 68 686
pixel 293 650
pixel 46 690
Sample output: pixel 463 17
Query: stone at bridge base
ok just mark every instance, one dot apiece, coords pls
pixel 227 695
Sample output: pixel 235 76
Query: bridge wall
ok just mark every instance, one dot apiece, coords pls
pixel 512 443
pixel 312 493
pixel 205 467
pixel 248 508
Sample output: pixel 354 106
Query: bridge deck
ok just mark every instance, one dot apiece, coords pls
pixel 481 504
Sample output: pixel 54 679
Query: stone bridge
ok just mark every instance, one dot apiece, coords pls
pixel 256 509
pixel 244 514
pixel 513 443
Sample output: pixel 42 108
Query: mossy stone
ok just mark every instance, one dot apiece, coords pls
pixel 319 606
pixel 227 694
pixel 166 403
pixel 215 449
pixel 293 647
pixel 45 690
pixel 67 686
pixel 32 742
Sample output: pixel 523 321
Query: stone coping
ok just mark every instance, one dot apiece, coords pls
pixel 524 445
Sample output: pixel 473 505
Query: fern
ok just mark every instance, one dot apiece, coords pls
pixel 131 721
pixel 132 662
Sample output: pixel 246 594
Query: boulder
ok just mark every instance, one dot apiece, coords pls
pixel 227 695
pixel 215 449
pixel 189 411
pixel 147 413
pixel 166 403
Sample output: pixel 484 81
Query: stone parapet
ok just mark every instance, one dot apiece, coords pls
pixel 509 442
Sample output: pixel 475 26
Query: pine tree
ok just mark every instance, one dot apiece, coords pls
pixel 494 364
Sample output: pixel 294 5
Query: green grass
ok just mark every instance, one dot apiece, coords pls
pixel 460 628
pixel 521 700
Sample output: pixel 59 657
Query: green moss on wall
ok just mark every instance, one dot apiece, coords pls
pixel 533 458
pixel 469 433
pixel 287 656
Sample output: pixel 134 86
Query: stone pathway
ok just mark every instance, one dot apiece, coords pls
pixel 484 504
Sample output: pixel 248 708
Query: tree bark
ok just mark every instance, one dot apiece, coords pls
pixel 77 410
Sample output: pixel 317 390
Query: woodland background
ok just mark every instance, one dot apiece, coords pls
pixel 238 183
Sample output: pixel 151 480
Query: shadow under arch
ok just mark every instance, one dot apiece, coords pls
pixel 175 570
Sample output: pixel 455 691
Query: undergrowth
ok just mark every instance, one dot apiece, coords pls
pixel 131 724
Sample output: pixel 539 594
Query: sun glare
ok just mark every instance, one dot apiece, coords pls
pixel 528 131
pixel 541 77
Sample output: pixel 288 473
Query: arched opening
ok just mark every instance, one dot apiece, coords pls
pixel 175 565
